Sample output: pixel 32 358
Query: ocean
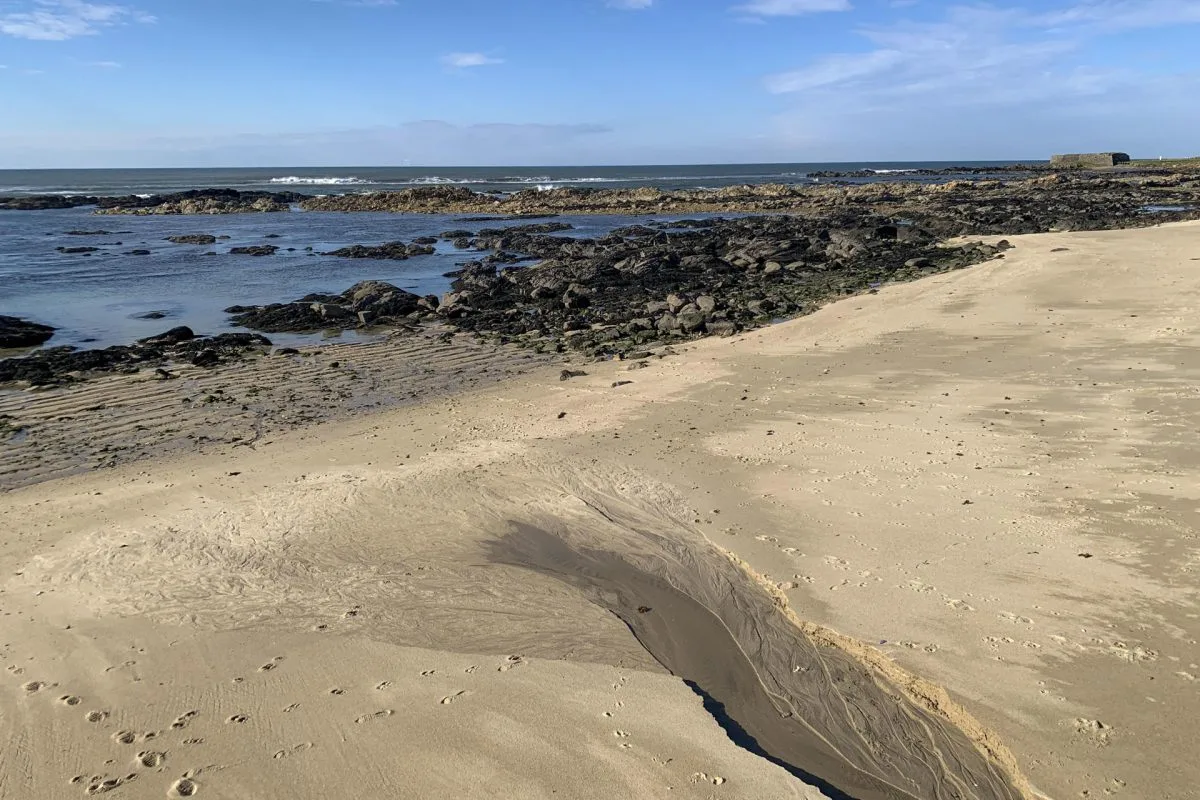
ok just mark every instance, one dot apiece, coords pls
pixel 103 298
pixel 328 180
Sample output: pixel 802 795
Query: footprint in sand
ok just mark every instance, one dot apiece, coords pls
pixel 294 750
pixel 1015 618
pixel 70 700
pixel 448 699
pixel 383 685
pixel 151 759
pixel 291 708
pixel 183 719
pixel 96 716
pixel 184 787
pixel 425 673
pixel 387 712
pixel 238 719
pixel 268 667
pixel 336 691
pixel 33 686
pixel 621 734
pixel 511 662
pixel 124 737
pixel 471 670
pixel 106 785
pixel 704 777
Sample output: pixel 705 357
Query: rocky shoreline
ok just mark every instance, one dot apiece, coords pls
pixel 648 285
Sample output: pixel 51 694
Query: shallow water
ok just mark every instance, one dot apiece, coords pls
pixel 95 299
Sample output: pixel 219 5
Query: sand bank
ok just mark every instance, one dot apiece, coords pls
pixel 981 479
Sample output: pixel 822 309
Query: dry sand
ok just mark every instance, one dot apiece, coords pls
pixel 986 479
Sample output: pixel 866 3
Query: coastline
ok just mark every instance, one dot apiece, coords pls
pixel 995 568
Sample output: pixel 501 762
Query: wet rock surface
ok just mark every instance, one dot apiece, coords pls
pixel 17 332
pixel 60 365
pixel 393 251
pixel 640 286
pixel 635 288
pixel 254 250
pixel 366 304
pixel 193 238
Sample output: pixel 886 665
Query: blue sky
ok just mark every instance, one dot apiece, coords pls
pixel 530 82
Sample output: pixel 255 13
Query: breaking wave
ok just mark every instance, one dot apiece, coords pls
pixel 293 180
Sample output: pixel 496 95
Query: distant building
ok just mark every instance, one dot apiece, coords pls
pixel 1089 160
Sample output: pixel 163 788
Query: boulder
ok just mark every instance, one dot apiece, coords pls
pixel 255 250
pixel 173 336
pixel 16 332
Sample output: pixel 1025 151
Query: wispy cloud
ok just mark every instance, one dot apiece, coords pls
pixel 104 64
pixel 466 60
pixel 631 5
pixel 790 8
pixel 975 70
pixel 983 51
pixel 58 20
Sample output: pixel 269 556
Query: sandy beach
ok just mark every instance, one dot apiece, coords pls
pixel 934 541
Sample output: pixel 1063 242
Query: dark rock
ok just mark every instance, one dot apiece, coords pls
pixel 16 332
pixel 138 253
pixel 173 336
pixel 365 303
pixel 45 202
pixel 395 251
pixel 255 250
pixel 206 358
pixel 567 374
pixel 58 365
pixel 193 238
pixel 76 250
pixel 152 315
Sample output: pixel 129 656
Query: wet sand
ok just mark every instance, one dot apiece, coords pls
pixel 972 496
pixel 695 644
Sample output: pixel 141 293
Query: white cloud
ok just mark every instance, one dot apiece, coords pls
pixel 57 20
pixel 791 8
pixel 631 5
pixel 104 64
pixel 465 60
pixel 1015 79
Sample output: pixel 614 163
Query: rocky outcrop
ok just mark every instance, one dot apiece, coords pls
pixel 193 238
pixel 641 286
pixel 200 201
pixel 46 202
pixel 366 304
pixel 255 250
pixel 1022 205
pixel 16 332
pixel 1089 160
pixel 393 251
pixel 58 365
